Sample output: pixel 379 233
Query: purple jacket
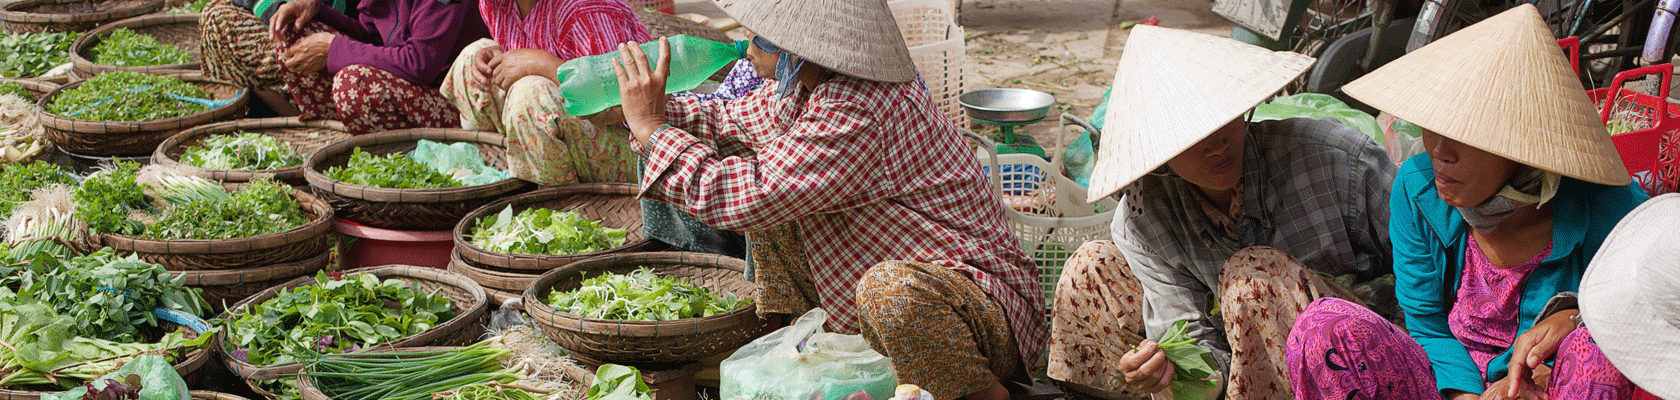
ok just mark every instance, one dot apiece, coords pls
pixel 416 40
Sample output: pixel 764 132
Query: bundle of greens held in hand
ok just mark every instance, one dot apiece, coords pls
pixel 126 48
pixel 29 55
pixel 410 375
pixel 333 316
pixel 128 96
pixel 393 171
pixel 1192 364
pixel 201 209
pixel 642 295
pixel 241 151
pixel 544 231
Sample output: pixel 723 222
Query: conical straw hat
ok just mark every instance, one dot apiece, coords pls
pixel 853 37
pixel 1502 85
pixel 1173 89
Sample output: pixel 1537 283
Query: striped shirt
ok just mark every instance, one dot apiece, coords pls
pixel 565 28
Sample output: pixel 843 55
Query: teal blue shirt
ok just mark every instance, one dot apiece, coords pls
pixel 1429 238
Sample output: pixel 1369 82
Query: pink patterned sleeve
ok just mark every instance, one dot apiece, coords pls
pixel 600 31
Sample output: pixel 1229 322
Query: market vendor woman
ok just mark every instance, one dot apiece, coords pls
pixel 901 235
pixel 1225 225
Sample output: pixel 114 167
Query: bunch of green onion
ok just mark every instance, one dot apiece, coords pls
pixel 407 376
pixel 182 189
pixel 45 224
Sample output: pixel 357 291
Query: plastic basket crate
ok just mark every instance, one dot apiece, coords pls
pixel 1650 154
pixel 1047 212
pixel 936 46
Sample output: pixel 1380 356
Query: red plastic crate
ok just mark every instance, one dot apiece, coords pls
pixel 1648 154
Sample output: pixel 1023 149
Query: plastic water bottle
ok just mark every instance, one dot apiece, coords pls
pixel 589 85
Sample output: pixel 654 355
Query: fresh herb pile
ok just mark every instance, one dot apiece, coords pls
pixel 16 90
pixel 260 207
pixel 126 48
pixel 43 355
pixel 544 231
pixel 128 96
pixel 1192 364
pixel 29 55
pixel 241 151
pixel 642 295
pixel 107 296
pixel 393 171
pixel 409 376
pixel 333 316
pixel 18 180
pixel 108 196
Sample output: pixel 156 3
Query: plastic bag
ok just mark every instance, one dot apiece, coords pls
pixel 1318 106
pixel 459 160
pixel 158 381
pixel 1402 139
pixel 801 362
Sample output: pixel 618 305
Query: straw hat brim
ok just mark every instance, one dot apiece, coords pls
pixel 1174 88
pixel 1502 85
pixel 1626 319
pixel 859 38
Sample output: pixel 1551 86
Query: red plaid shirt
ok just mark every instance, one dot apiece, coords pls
pixel 565 28
pixel 870 171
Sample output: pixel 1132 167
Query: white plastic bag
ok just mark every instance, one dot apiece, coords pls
pixel 801 362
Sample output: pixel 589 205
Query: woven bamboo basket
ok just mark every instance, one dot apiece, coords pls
pixel 303 136
pixel 180 30
pixel 297 244
pixel 222 288
pixel 613 204
pixel 129 138
pixel 187 366
pixel 209 395
pixel 34 16
pixel 506 282
pixel 659 343
pixel 408 209
pixel 36 87
pixel 468 299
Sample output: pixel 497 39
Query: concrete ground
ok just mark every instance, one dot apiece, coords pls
pixel 1067 48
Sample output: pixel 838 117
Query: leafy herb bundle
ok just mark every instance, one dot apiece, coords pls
pixel 16 90
pixel 241 151
pixel 29 55
pixel 333 316
pixel 107 197
pixel 260 207
pixel 17 181
pixel 107 296
pixel 1192 364
pixel 128 96
pixel 544 231
pixel 393 171
pixel 126 48
pixel 42 354
pixel 642 295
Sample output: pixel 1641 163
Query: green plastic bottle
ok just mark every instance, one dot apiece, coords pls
pixel 589 85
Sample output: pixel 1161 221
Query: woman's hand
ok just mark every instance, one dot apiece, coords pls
pixel 291 16
pixel 310 53
pixel 642 88
pixel 481 70
pixel 1146 368
pixel 1539 343
pixel 511 66
pixel 1512 388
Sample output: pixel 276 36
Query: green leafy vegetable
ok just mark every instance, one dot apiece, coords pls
pixel 42 354
pixel 241 151
pixel 107 197
pixel 408 376
pixel 193 7
pixel 16 90
pixel 108 296
pixel 28 55
pixel 394 171
pixel 260 207
pixel 642 295
pixel 128 96
pixel 1192 364
pixel 618 382
pixel 333 316
pixel 16 181
pixel 126 48
pixel 544 231
pixel 147 377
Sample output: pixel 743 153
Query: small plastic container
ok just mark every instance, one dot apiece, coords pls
pixel 367 246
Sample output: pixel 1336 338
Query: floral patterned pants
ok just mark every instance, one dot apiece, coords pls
pixel 942 332
pixel 1099 317
pixel 365 98
pixel 545 145
pixel 238 48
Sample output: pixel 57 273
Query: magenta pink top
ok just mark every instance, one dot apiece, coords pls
pixel 1484 318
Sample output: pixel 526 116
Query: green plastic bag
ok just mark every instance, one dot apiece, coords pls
pixel 459 160
pixel 1318 106
pixel 158 381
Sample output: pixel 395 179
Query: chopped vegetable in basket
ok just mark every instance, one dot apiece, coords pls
pixel 126 48
pixel 544 231
pixel 241 151
pixel 333 316
pixel 642 295
pixel 128 96
pixel 201 209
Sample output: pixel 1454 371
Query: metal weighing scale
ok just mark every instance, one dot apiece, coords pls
pixel 1007 109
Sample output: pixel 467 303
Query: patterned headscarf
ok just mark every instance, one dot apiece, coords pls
pixel 787 65
pixel 1530 187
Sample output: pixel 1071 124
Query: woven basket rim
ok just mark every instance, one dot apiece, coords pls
pixel 11 14
pixel 289 270
pixel 316 227
pixel 318 179
pixel 478 305
pixel 161 155
pixel 472 252
pixel 542 313
pixel 55 121
pixel 35 85
pixel 87 41
pixel 211 395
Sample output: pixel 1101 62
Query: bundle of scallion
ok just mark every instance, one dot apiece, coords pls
pixel 46 224
pixel 407 376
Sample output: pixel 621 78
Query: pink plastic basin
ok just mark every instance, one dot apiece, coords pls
pixel 375 246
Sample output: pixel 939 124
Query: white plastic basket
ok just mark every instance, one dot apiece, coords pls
pixel 936 45
pixel 1046 210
